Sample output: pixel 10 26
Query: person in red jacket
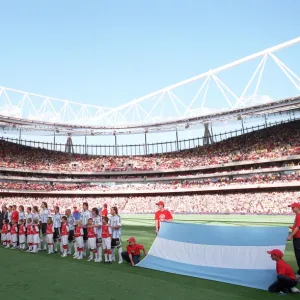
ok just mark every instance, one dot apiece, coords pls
pixel 133 253
pixel 286 279
pixel 162 215
pixel 15 214
pixel 104 211
pixel 295 234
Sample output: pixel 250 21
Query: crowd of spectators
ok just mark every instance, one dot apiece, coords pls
pixel 268 203
pixel 273 142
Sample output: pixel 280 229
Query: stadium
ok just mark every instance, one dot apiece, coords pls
pixel 241 168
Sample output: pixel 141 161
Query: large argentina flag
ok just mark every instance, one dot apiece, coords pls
pixel 232 254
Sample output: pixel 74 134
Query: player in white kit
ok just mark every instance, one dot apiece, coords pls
pixel 115 224
pixel 97 221
pixel 44 214
pixel 71 225
pixel 57 225
pixel 85 215
pixel 36 217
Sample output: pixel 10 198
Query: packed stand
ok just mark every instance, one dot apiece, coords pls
pixel 269 203
pixel 254 180
pixel 274 142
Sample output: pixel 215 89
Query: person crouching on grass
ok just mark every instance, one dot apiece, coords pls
pixel 133 253
pixel 286 279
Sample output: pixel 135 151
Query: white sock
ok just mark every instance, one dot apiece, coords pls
pixel 106 257
pixel 91 254
pixel 113 254
pixel 65 251
pixel 110 257
pixel 44 242
pixel 55 246
pixel 35 248
pixel 84 248
pixel 120 250
pixel 99 250
pixel 69 247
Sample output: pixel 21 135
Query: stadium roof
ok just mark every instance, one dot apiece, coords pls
pixel 32 112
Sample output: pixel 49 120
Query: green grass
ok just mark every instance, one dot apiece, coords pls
pixel 40 276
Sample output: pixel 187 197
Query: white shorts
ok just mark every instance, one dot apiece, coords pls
pixel 22 239
pixel 49 239
pixel 36 239
pixel 64 240
pixel 106 243
pixel 8 236
pixel 3 237
pixel 30 239
pixel 79 242
pixel 14 238
pixel 92 243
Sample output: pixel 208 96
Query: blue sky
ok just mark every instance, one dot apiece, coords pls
pixel 110 52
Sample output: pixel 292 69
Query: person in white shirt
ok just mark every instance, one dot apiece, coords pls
pixel 71 224
pixel 97 221
pixel 84 217
pixel 44 217
pixel 57 226
pixel 36 217
pixel 115 224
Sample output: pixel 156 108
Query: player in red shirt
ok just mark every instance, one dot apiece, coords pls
pixel 22 238
pixel 286 279
pixel 162 215
pixel 64 231
pixel 104 211
pixel 49 235
pixel 78 234
pixel 106 240
pixel 295 234
pixel 14 234
pixel 3 234
pixel 133 253
pixel 92 237
pixel 29 234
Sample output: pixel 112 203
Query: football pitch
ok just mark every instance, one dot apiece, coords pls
pixel 41 276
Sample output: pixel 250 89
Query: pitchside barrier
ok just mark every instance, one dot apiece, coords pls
pixel 231 254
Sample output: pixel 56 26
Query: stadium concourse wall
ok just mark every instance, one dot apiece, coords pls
pixel 231 254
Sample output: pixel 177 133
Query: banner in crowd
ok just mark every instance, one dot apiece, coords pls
pixel 231 254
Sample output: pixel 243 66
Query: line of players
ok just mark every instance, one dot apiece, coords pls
pixel 91 232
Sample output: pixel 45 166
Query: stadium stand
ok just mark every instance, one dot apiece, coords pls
pixel 273 142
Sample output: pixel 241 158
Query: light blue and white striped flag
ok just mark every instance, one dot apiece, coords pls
pixel 232 254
